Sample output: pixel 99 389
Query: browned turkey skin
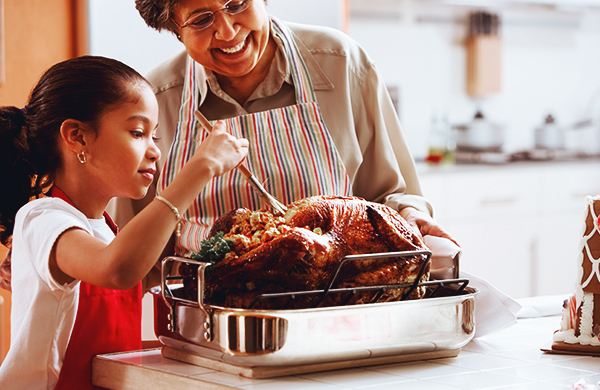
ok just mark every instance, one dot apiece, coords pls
pixel 302 250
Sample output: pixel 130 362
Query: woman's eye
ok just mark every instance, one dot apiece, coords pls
pixel 155 139
pixel 202 20
pixel 235 5
pixel 137 134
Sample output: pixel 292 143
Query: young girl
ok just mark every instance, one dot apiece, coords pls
pixel 85 136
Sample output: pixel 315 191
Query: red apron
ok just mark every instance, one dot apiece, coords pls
pixel 107 321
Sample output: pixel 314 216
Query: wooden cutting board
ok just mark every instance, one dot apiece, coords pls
pixel 257 372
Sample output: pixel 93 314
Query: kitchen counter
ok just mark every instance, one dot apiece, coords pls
pixel 424 168
pixel 507 359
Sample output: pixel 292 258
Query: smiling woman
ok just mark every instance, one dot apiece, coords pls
pixel 310 101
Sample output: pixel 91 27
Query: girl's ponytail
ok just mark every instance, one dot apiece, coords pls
pixel 17 174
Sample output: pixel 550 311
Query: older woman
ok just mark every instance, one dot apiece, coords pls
pixel 309 100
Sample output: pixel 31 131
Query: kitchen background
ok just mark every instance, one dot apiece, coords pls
pixel 515 208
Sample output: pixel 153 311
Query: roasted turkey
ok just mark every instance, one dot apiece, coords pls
pixel 302 250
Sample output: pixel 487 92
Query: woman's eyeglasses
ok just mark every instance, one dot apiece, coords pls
pixel 205 19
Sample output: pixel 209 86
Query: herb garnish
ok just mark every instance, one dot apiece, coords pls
pixel 214 249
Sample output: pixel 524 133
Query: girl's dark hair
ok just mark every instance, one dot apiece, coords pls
pixel 83 89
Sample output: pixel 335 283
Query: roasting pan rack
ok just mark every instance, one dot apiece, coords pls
pixel 433 287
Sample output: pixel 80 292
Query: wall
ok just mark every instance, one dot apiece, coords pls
pixel 550 65
pixel 118 31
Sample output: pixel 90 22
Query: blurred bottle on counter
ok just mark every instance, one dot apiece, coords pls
pixel 442 146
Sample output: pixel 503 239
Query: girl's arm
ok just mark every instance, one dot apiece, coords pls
pixel 133 252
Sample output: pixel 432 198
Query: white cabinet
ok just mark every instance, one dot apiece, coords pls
pixel 518 224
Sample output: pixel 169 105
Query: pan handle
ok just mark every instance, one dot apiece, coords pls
pixel 172 300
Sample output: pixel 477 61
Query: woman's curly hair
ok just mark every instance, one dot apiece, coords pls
pixel 158 14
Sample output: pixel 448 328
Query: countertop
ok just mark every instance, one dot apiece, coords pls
pixel 424 168
pixel 510 358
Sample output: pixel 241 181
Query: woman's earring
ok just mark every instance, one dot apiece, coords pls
pixel 81 157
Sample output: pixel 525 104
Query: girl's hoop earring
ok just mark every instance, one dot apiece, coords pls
pixel 81 157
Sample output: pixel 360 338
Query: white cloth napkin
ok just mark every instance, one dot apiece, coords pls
pixel 549 305
pixel 494 310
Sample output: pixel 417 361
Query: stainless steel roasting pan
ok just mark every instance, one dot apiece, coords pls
pixel 248 337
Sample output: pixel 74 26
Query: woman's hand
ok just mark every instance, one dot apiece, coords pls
pixel 220 151
pixel 425 224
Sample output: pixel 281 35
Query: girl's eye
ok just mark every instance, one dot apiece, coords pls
pixel 155 139
pixel 137 134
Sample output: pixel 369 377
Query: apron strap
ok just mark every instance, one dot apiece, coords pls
pixel 297 67
pixel 56 192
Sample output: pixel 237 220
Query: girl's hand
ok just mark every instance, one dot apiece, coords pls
pixel 425 224
pixel 220 151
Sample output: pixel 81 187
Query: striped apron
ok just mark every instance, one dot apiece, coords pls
pixel 290 149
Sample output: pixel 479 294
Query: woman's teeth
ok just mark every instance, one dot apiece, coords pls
pixel 234 49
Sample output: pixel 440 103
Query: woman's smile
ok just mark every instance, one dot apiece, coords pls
pixel 234 49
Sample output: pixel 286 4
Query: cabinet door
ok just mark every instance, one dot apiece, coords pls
pixel 37 34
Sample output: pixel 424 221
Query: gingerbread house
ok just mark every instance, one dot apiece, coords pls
pixel 580 325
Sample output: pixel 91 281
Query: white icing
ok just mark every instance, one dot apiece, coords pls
pixel 568 336
pixel 587 312
pixel 565 335
pixel 565 321
pixel 588 340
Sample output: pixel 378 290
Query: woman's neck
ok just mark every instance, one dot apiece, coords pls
pixel 241 88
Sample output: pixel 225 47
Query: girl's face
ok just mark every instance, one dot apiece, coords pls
pixel 233 45
pixel 122 157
